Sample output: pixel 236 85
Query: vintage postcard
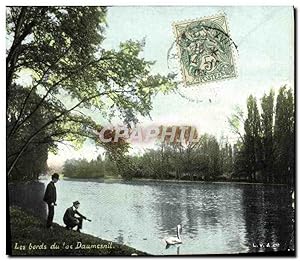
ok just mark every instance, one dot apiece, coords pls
pixel 150 130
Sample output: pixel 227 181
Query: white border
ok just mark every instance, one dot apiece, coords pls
pixel 96 3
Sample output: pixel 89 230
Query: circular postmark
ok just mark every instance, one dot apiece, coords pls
pixel 201 53
pixel 205 50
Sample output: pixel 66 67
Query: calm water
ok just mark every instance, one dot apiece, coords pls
pixel 216 218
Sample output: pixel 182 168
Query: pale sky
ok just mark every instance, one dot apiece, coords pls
pixel 264 36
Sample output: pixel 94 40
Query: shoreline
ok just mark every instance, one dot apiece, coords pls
pixel 30 237
pixel 112 180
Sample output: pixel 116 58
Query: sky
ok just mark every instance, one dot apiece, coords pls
pixel 264 60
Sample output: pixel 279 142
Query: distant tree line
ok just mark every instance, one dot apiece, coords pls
pixel 207 159
pixel 264 152
pixel 81 168
pixel 204 160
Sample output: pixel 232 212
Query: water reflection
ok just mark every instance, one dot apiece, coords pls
pixel 211 215
pixel 216 218
pixel 267 210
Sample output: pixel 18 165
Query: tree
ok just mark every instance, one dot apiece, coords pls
pixel 81 168
pixel 284 136
pixel 267 123
pixel 235 121
pixel 214 158
pixel 266 152
pixel 34 160
pixel 240 161
pixel 59 49
pixel 226 159
pixel 252 139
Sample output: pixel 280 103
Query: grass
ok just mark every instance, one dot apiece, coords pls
pixel 29 236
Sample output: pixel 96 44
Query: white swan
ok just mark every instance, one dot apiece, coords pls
pixel 175 240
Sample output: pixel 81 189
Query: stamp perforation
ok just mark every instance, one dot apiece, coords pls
pixel 186 22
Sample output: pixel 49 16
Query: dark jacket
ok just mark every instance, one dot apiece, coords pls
pixel 69 215
pixel 50 193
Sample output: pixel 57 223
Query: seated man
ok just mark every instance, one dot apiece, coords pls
pixel 71 220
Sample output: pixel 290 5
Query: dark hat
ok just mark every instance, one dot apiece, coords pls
pixel 55 176
pixel 76 202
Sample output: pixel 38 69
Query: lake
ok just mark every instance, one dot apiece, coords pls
pixel 217 218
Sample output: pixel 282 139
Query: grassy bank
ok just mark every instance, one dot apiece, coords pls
pixel 30 237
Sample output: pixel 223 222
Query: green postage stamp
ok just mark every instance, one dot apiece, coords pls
pixel 205 50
